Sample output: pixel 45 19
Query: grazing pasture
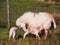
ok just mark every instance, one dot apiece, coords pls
pixel 17 8
pixel 53 39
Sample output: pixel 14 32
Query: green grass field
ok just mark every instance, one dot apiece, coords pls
pixel 17 8
pixel 53 39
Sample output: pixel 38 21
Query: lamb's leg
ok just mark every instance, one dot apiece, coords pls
pixel 10 35
pixel 37 35
pixel 25 34
pixel 46 33
pixel 14 35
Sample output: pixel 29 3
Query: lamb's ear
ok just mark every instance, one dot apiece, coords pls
pixel 26 25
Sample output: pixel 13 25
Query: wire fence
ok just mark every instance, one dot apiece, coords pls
pixel 18 8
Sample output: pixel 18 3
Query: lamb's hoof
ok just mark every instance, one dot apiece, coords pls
pixel 23 37
pixel 39 38
pixel 45 37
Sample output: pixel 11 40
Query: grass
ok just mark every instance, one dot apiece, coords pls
pixel 30 41
pixel 17 8
pixel 53 39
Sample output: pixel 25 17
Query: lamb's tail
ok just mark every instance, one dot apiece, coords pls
pixel 54 24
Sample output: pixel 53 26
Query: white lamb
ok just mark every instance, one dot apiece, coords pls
pixel 12 32
pixel 42 19
pixel 33 30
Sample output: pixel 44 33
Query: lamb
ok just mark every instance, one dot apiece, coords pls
pixel 36 21
pixel 33 30
pixel 12 32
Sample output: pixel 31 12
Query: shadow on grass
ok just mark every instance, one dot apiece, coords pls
pixel 18 37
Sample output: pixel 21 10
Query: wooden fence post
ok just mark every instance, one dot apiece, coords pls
pixel 8 16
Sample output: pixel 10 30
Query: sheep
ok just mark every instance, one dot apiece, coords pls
pixel 12 32
pixel 43 18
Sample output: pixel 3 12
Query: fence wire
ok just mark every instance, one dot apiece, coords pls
pixel 18 8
